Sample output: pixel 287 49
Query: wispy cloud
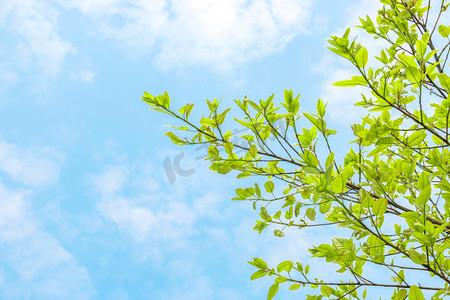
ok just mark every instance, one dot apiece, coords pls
pixel 335 68
pixel 148 215
pixel 33 262
pixel 33 40
pixel 84 75
pixel 178 33
pixel 190 226
pixel 38 167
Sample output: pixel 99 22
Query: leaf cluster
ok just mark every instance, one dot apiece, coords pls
pixel 391 191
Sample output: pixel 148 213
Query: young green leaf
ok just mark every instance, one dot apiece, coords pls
pixel 414 75
pixel 326 290
pixel 379 207
pixel 259 263
pixel 320 108
pixel 444 30
pixel 362 57
pixel 415 293
pixel 259 274
pixel 311 213
pixel 273 291
pixel 269 186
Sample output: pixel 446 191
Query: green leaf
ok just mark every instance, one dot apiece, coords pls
pixel 440 229
pixel 421 48
pixel 362 57
pixel 320 108
pixel 269 186
pixel 264 215
pixel 326 290
pixel 257 190
pixel 437 294
pixel 324 207
pixel 278 233
pixel 292 104
pixel 306 271
pixel 244 174
pixel 416 138
pixel 340 243
pixel 259 263
pixel 186 109
pixel 311 213
pixel 213 151
pixel 179 128
pixel 253 151
pixel 377 150
pixel 330 160
pixel 354 81
pixel 259 274
pixel 339 52
pixel 414 75
pixel 345 83
pixel 228 147
pixel 166 100
pixel 444 80
pixel 315 121
pixel 227 135
pixel 346 34
pixel 310 159
pixel 265 133
pixel 338 185
pixel 288 97
pixel 285 266
pixel 245 193
pixel 416 257
pixel 415 293
pixel 444 31
pixel 424 196
pixel 249 138
pixel 407 60
pixel 294 287
pixel 148 95
pixel 176 140
pixel 424 180
pixel 385 141
pixel 280 279
pixel 401 295
pixel 273 291
pixel 429 56
pixel 207 122
pixel 379 207
pixel 260 226
pixel 410 215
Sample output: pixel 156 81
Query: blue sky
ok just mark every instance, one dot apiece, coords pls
pixel 88 211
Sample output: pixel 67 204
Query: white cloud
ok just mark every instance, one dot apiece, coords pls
pixel 37 265
pixel 35 42
pixel 148 215
pixel 190 226
pixel 38 167
pixel 40 267
pixel 180 33
pixel 341 100
pixel 8 77
pixel 84 75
